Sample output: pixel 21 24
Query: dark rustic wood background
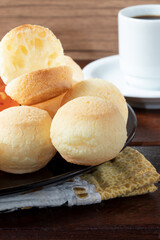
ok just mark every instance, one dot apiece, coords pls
pixel 86 28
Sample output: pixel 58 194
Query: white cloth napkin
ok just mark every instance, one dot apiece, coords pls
pixel 52 196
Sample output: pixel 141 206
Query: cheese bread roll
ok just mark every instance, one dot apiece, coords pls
pixel 100 88
pixel 88 131
pixel 28 48
pixel 41 85
pixel 76 70
pixel 25 144
pixel 51 105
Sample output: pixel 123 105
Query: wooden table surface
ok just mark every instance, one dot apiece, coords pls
pixel 122 218
pixel 86 28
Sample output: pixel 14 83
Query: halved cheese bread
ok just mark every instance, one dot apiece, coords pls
pixel 28 48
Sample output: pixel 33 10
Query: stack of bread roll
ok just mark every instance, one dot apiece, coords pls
pixel 89 127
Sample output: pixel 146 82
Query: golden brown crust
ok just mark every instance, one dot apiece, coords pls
pixel 41 85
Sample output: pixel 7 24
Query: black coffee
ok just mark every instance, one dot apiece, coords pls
pixel 148 17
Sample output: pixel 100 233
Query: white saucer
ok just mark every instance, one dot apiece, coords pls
pixel 108 68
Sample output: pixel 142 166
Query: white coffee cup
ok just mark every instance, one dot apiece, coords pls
pixel 139 46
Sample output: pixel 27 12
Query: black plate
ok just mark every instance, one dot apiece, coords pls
pixel 56 171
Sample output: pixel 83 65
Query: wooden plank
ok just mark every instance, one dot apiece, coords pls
pixel 142 233
pixel 148 131
pixel 87 29
pixel 122 218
